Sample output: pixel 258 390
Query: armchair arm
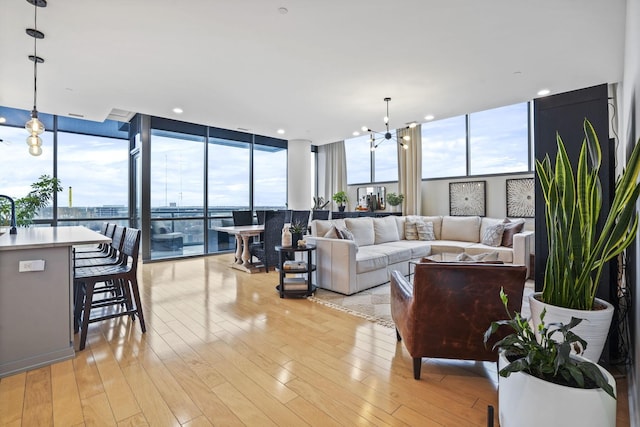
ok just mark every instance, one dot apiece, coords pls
pixel 401 305
pixel 522 249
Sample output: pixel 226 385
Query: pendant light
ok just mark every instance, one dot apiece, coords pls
pixel 34 126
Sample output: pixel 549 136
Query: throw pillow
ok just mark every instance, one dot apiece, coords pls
pixel 410 230
pixel 493 235
pixel 332 233
pixel 511 228
pixel 345 234
pixel 425 230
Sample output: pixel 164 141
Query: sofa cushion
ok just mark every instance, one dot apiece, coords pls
pixel 385 230
pixel 437 225
pixel 362 229
pixel 463 228
pixel 425 230
pixel 395 254
pixel 322 226
pixel 400 221
pixel 345 234
pixel 450 246
pixel 370 260
pixel 511 228
pixel 418 248
pixel 492 235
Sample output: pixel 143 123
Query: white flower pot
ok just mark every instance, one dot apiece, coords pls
pixel 527 401
pixel 594 329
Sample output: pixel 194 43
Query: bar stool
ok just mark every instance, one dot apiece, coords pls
pixel 123 276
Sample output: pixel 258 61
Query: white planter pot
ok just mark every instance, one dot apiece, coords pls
pixel 527 401
pixel 593 329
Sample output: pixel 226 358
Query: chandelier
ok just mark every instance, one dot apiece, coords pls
pixel 35 126
pixel 381 137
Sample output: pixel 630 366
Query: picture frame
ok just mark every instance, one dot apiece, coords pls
pixel 520 196
pixel 467 198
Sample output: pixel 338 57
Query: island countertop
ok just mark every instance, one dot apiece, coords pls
pixel 49 237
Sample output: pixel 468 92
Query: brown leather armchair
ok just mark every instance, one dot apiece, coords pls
pixel 445 313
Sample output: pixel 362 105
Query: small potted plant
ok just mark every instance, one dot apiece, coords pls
pixel 542 383
pixel 340 198
pixel 395 200
pixel 297 230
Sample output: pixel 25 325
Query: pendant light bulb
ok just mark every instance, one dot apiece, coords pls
pixel 35 150
pixel 34 141
pixel 34 126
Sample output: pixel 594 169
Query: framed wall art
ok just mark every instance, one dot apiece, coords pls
pixel 520 198
pixel 467 198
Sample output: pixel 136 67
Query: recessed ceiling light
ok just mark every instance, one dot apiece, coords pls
pixel 178 110
pixel 283 10
pixel 429 117
pixel 356 133
pixel 280 131
pixel 544 92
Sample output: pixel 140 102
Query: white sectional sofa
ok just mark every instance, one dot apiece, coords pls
pixel 379 246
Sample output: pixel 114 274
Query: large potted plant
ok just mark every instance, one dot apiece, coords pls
pixel 27 207
pixel 542 384
pixel 577 250
pixel 340 198
pixel 395 200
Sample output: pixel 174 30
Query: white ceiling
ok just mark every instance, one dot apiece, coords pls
pixel 320 71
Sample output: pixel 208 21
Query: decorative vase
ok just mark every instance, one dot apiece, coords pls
pixel 593 329
pixel 527 401
pixel 294 239
pixel 286 237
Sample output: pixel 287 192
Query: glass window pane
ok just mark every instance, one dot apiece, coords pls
pixel 19 168
pixel 444 148
pixel 269 177
pixel 177 174
pixel 386 160
pixel 228 175
pixel 358 157
pixel 499 140
pixel 172 238
pixel 94 174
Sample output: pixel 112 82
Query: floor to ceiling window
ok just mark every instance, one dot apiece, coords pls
pixel 269 173
pixel 177 194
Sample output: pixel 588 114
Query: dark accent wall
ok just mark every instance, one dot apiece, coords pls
pixel 564 114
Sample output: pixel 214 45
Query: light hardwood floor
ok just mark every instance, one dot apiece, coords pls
pixel 222 348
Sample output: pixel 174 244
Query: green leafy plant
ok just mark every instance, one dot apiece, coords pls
pixel 319 203
pixel 577 251
pixel 394 199
pixel 340 198
pixel 296 227
pixel 546 358
pixel 27 207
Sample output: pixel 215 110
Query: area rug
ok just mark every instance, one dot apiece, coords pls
pixel 372 304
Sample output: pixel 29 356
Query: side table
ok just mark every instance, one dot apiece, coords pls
pixel 295 286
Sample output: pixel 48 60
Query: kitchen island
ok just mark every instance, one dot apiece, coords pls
pixel 36 295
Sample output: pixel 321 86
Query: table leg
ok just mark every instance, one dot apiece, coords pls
pixel 238 249
pixel 246 255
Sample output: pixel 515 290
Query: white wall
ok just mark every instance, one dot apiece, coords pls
pixel 629 116
pixel 299 195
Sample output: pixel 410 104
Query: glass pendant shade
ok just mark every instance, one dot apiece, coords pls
pixel 34 141
pixel 35 150
pixel 34 126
